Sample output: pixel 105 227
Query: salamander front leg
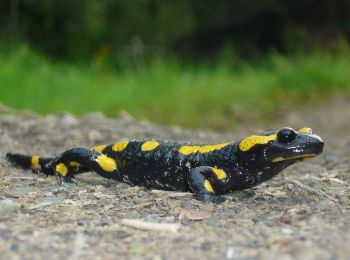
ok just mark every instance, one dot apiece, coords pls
pixel 201 181
pixel 65 174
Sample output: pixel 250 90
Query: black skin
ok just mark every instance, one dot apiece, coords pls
pixel 166 168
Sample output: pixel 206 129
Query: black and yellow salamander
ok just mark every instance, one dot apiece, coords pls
pixel 207 170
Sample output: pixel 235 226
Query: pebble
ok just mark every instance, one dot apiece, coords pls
pixel 341 199
pixel 152 218
pixel 95 136
pixel 68 120
pixel 14 248
pixel 9 207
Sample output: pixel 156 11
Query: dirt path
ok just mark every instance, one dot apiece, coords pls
pixel 303 213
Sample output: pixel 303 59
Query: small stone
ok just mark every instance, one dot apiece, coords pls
pixel 152 218
pixel 14 248
pixel 230 253
pixel 287 231
pixel 68 120
pixel 95 136
pixel 341 199
pixel 142 193
pixel 9 207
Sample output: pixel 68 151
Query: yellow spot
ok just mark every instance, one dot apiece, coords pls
pixel 74 164
pixel 118 147
pixel 106 163
pixel 253 140
pixel 99 148
pixel 305 156
pixel 279 159
pixel 220 174
pixel 61 169
pixel 149 146
pixel 35 162
pixel 305 130
pixel 208 186
pixel 189 149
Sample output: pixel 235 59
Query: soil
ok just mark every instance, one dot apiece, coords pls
pixel 303 213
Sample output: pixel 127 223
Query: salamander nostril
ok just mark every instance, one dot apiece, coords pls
pixel 286 135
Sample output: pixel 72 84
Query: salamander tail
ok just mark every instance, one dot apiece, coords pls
pixel 35 163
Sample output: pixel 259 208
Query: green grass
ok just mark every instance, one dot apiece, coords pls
pixel 169 92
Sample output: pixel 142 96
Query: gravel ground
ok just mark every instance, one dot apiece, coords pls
pixel 302 214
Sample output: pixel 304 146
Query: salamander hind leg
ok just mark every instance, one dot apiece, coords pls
pixel 202 182
pixel 80 158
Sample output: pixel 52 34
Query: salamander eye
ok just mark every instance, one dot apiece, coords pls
pixel 286 135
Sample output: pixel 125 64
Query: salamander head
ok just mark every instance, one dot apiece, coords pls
pixel 281 148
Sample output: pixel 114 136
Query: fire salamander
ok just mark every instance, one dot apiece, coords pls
pixel 206 170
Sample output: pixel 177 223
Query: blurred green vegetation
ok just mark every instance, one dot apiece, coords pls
pixel 193 63
pixel 211 94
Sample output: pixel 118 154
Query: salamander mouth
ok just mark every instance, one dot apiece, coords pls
pixel 297 158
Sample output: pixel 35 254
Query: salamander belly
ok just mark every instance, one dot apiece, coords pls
pixel 154 164
pixel 153 175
